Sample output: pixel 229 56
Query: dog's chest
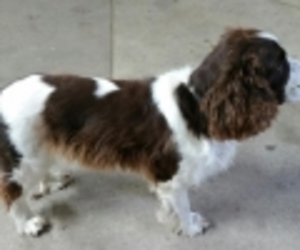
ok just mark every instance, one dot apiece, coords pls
pixel 205 160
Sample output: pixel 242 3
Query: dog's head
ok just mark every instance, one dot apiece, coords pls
pixel 242 81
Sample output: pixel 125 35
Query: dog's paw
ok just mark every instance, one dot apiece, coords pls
pixel 35 226
pixel 197 225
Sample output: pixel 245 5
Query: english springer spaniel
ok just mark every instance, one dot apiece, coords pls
pixel 177 129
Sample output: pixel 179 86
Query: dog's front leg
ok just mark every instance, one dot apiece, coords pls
pixel 175 210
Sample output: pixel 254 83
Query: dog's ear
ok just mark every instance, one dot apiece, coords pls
pixel 189 108
pixel 240 103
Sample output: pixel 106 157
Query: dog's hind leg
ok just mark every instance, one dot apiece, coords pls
pixel 27 176
pixel 54 181
pixel 10 190
pixel 13 188
pixel 26 221
pixel 17 178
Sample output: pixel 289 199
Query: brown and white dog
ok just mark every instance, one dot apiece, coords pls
pixel 177 129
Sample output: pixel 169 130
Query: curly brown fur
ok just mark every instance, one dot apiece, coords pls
pixel 237 85
pixel 101 135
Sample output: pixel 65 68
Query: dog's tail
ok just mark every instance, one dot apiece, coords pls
pixel 9 161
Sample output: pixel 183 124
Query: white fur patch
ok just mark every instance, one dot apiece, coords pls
pixel 24 98
pixel 105 87
pixel 267 35
pixel 21 104
pixel 34 226
pixel 292 88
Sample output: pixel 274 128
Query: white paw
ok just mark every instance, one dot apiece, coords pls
pixel 197 225
pixel 35 226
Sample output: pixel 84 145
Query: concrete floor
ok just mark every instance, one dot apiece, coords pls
pixel 256 205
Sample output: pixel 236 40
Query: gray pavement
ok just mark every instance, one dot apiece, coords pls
pixel 255 205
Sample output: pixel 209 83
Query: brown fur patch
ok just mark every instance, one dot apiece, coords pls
pixel 9 160
pixel 240 85
pixel 121 129
pixel 10 191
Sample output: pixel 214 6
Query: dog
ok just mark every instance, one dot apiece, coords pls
pixel 176 129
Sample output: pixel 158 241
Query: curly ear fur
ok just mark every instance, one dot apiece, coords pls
pixel 240 103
